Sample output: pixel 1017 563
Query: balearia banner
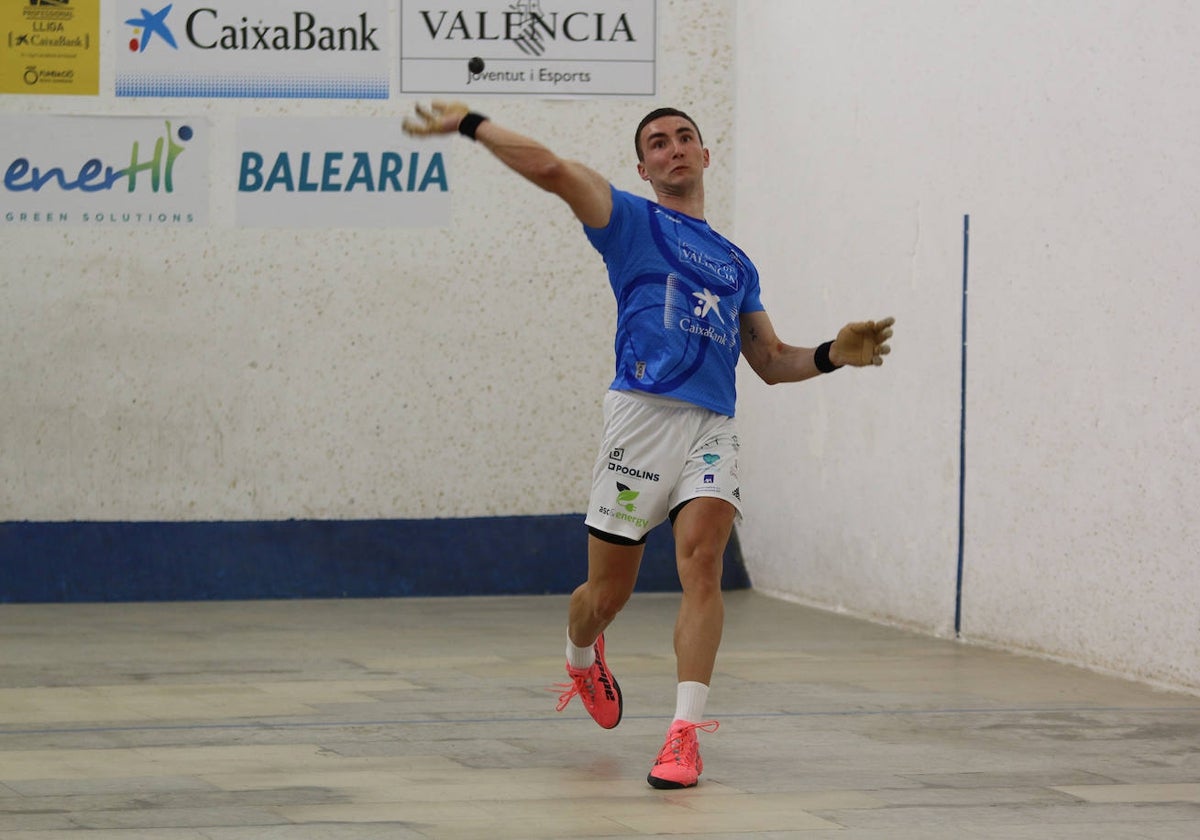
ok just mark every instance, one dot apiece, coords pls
pixel 541 47
pixel 338 172
pixel 104 171
pixel 318 49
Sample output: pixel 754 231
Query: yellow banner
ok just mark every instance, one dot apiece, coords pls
pixel 50 47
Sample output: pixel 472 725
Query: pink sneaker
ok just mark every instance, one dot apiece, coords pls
pixel 679 764
pixel 596 687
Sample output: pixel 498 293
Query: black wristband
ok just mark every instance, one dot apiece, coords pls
pixel 468 124
pixel 821 358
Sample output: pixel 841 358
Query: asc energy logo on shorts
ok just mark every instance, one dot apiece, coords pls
pixel 319 49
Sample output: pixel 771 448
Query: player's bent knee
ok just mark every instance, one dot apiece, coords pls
pixel 701 585
pixel 700 570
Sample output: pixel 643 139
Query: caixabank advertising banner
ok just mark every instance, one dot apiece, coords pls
pixel 281 49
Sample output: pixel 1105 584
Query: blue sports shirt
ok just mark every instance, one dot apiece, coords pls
pixel 680 288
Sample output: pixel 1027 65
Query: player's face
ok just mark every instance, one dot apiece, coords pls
pixel 672 155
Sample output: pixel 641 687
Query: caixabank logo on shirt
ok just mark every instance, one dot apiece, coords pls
pixel 253 48
pixel 703 314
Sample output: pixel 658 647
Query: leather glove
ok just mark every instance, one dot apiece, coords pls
pixel 438 118
pixel 862 343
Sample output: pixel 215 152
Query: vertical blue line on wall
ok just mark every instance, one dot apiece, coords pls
pixel 962 434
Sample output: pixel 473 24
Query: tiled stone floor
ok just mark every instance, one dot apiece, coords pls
pixel 431 718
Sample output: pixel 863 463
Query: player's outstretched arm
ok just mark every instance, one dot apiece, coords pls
pixel 858 344
pixel 586 191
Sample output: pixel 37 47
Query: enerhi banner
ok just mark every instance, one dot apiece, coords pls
pixel 104 171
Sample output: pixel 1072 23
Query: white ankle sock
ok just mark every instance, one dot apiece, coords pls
pixel 580 657
pixel 689 701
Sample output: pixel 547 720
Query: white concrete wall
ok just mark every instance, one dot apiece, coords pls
pixel 219 373
pixel 226 374
pixel 1067 131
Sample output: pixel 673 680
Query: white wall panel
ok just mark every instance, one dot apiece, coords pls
pixel 219 373
pixel 1066 131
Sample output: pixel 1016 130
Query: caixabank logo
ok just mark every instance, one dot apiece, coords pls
pixel 253 49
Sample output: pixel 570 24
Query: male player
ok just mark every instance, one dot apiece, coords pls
pixel 687 305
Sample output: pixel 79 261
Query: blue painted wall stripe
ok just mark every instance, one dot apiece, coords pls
pixel 46 562
pixel 962 436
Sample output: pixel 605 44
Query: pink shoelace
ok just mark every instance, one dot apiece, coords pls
pixel 673 748
pixel 579 684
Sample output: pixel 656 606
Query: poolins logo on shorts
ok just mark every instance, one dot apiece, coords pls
pixel 614 464
pixel 633 472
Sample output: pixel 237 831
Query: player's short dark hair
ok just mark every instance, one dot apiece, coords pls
pixel 654 115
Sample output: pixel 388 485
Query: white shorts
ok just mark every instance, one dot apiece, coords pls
pixel 658 453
